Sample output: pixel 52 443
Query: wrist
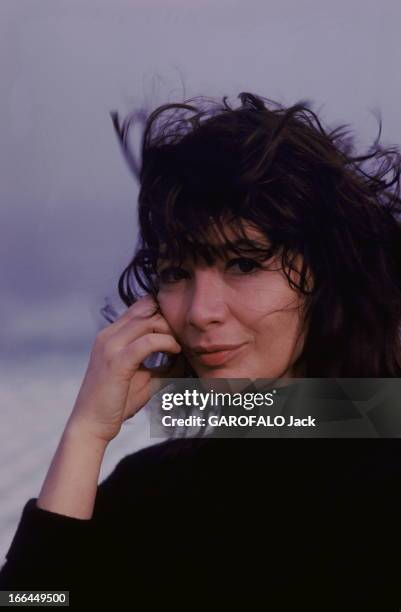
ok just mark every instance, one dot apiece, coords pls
pixel 78 431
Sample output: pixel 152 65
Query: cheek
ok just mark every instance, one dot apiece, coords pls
pixel 171 308
pixel 264 298
pixel 274 313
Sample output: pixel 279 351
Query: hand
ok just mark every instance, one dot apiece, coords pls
pixel 116 386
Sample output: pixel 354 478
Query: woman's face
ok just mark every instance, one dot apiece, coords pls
pixel 235 303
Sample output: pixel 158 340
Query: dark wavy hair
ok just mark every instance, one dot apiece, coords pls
pixel 303 186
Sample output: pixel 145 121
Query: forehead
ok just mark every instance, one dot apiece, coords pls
pixel 251 232
pixel 217 239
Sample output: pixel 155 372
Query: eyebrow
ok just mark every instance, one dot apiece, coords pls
pixel 251 246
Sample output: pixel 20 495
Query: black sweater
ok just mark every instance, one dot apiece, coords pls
pixel 307 522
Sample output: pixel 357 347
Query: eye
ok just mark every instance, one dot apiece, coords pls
pixel 245 263
pixel 171 275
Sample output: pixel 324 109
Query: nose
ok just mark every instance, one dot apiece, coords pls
pixel 206 301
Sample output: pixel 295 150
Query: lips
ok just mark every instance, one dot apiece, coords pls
pixel 215 358
pixel 212 348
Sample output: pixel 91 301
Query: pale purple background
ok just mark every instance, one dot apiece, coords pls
pixel 68 201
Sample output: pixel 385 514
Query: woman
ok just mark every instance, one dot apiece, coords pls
pixel 261 236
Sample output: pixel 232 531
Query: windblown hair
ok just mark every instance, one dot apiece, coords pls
pixel 300 184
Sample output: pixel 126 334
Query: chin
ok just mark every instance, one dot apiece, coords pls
pixel 240 373
pixel 224 373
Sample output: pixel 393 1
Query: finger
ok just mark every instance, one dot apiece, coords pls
pixel 134 329
pixel 145 306
pixel 144 316
pixel 132 356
